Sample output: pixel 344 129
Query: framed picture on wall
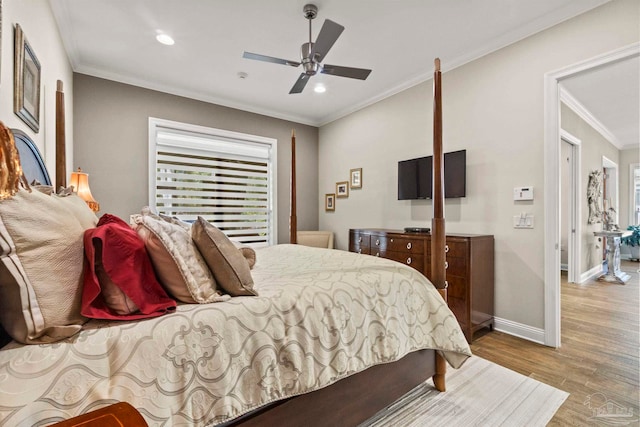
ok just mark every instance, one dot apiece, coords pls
pixel 26 82
pixel 342 189
pixel 356 178
pixel 330 202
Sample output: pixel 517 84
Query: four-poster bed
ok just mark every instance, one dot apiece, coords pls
pixel 313 357
pixel 332 406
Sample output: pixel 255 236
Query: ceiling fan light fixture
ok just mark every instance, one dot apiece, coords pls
pixel 312 54
pixel 165 39
pixel 319 88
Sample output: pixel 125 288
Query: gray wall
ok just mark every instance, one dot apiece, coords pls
pixel 492 107
pixel 112 145
pixel 593 147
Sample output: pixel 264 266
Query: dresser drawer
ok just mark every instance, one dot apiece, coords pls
pixel 452 249
pixel 378 243
pixel 405 244
pixel 456 266
pixel 359 242
pixel 457 286
pixel 453 267
pixel 412 260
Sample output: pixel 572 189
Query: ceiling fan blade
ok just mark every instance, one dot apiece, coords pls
pixel 265 58
pixel 300 83
pixel 353 73
pixel 328 35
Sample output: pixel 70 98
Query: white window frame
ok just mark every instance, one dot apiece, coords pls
pixel 156 124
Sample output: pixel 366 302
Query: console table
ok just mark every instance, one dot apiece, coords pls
pixel 613 274
pixel 469 268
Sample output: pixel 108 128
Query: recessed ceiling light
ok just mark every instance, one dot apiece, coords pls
pixel 319 88
pixel 165 39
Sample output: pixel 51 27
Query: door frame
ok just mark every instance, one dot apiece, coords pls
pixel 552 182
pixel 575 207
pixel 610 164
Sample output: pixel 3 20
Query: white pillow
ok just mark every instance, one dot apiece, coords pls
pixel 41 265
pixel 179 266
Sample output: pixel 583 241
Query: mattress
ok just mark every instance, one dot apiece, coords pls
pixel 321 315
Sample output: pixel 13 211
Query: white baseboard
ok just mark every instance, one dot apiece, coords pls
pixel 519 330
pixel 590 274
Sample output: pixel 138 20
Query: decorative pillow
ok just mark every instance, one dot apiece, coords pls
pixel 178 264
pixel 228 265
pixel 247 252
pixel 119 281
pixel 41 255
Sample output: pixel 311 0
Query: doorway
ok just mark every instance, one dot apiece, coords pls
pixel 552 182
pixel 570 230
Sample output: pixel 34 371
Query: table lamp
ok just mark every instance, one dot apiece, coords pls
pixel 80 182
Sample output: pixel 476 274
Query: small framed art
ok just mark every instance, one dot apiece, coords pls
pixel 342 189
pixel 330 202
pixel 26 82
pixel 356 178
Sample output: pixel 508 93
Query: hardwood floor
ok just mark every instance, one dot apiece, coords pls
pixel 598 360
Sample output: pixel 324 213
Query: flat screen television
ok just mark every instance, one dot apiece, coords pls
pixel 415 176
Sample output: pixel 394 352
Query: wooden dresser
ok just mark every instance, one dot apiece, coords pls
pixel 469 268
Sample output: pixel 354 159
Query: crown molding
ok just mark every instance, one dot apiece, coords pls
pixel 570 101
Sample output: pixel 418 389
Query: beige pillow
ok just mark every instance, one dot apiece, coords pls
pixel 178 265
pixel 228 265
pixel 41 264
pixel 247 252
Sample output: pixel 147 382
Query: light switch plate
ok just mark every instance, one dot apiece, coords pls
pixel 524 220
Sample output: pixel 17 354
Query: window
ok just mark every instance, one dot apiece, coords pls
pixel 226 177
pixel 635 194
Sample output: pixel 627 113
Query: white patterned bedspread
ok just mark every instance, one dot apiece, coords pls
pixel 321 316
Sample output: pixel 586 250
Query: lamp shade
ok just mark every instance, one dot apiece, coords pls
pixel 80 182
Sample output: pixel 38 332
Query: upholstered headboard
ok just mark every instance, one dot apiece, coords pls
pixel 31 161
pixel 33 168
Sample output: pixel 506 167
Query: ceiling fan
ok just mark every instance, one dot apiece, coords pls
pixel 312 54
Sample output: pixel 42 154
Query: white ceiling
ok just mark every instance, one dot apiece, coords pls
pixel 611 96
pixel 397 39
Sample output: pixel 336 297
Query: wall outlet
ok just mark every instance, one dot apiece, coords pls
pixel 524 220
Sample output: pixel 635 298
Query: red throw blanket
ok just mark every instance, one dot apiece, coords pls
pixel 119 281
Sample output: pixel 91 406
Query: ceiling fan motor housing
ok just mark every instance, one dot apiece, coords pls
pixel 311 67
pixel 310 11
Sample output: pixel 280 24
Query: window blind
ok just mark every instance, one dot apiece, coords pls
pixel 227 181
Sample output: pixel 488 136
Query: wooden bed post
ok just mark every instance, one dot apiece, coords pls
pixel 438 236
pixel 293 219
pixel 61 160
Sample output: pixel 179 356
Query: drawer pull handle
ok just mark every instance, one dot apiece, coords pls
pixel 377 253
pixel 391 240
pixel 409 261
pixel 360 239
pixel 377 242
pixel 446 284
pixel 409 245
pixel 446 248
pixel 446 265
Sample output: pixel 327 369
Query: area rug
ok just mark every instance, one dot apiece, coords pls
pixel 480 393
